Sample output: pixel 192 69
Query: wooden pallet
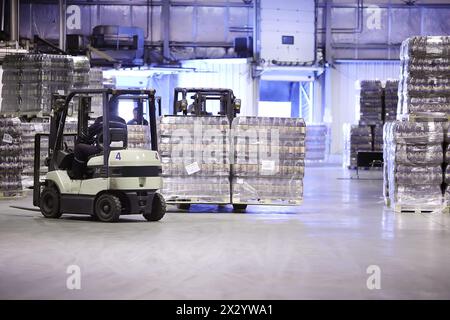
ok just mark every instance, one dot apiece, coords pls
pixel 14 194
pixel 420 209
pixel 268 202
pixel 196 200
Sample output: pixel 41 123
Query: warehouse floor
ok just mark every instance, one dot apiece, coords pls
pixel 318 250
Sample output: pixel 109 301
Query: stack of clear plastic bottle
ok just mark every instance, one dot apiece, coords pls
pixel 268 160
pixel 414 158
pixel 138 137
pixel 195 158
pixel 80 76
pixel 29 80
pixel 370 102
pixel 390 100
pixel 96 82
pixel 81 68
pixel 425 76
pixel 377 138
pixel 316 142
pixel 10 157
pixel 356 138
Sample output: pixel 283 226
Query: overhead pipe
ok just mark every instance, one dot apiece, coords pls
pixel 62 24
pixel 14 20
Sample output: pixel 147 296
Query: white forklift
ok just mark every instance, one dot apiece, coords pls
pixel 117 181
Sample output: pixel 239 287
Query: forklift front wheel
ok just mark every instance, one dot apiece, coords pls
pixel 158 208
pixel 239 207
pixel 49 203
pixel 108 208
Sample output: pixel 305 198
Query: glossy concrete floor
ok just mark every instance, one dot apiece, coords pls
pixel 319 250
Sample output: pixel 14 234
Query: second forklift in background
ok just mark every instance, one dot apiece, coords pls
pixel 203 102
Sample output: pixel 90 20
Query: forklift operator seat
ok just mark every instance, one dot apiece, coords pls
pixel 117 134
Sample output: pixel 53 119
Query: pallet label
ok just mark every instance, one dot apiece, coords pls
pixel 192 168
pixel 7 138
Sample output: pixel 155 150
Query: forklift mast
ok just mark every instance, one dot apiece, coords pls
pixel 230 106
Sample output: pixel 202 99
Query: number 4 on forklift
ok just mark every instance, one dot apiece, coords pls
pixel 225 310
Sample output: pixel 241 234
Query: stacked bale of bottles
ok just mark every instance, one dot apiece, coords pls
pixel 81 68
pixel 356 138
pixel 195 158
pixel 268 160
pixel 1 86
pixel 11 84
pixel 30 80
pixel 316 142
pixel 138 137
pixel 10 157
pixel 390 100
pixel 425 76
pixel 371 110
pixel 80 76
pixel 96 82
pixel 386 138
pixel 370 102
pixel 414 164
pixel 447 165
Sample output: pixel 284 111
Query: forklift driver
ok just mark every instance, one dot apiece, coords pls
pixel 87 146
pixel 137 118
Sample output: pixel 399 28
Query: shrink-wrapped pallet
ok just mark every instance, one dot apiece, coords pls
pixel 356 138
pixel 29 80
pixel 425 75
pixel 268 152
pixel 195 158
pixel 96 82
pixel 11 161
pixel 370 102
pixel 390 100
pixel 414 164
pixel 316 142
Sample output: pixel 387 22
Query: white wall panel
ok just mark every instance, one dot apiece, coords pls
pixel 231 74
pixel 343 93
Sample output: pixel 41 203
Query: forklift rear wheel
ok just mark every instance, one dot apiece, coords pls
pixel 49 203
pixel 183 206
pixel 239 207
pixel 108 208
pixel 158 208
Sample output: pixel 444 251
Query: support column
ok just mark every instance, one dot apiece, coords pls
pixel 14 20
pixel 165 16
pixel 62 24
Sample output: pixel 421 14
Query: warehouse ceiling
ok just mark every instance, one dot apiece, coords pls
pixel 189 29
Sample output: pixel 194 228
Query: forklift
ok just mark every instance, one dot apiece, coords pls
pixel 229 106
pixel 118 181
